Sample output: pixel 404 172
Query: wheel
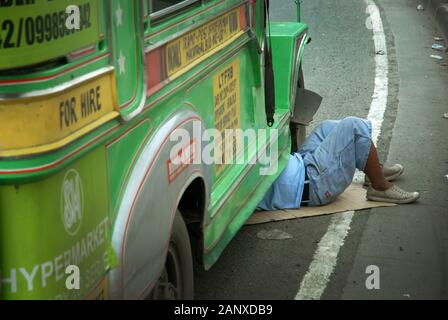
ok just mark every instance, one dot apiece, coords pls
pixel 176 281
pixel 298 132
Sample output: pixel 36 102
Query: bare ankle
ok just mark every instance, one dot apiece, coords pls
pixel 383 186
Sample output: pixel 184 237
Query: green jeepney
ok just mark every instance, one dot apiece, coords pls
pixel 91 94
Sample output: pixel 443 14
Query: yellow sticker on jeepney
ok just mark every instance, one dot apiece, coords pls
pixel 183 51
pixel 34 125
pixel 226 92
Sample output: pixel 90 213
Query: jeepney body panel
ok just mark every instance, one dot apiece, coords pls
pixel 100 191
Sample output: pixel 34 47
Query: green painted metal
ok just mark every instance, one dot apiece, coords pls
pixel 284 46
pixel 36 244
pixel 128 60
pixel 232 216
pixel 32 234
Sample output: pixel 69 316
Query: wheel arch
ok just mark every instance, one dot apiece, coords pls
pixel 193 208
pixel 142 228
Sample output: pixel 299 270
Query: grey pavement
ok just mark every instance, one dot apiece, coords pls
pixel 412 249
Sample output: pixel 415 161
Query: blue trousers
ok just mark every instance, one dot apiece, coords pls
pixel 331 154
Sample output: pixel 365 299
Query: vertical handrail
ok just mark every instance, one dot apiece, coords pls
pixel 298 2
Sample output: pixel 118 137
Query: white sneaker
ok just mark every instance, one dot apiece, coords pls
pixel 390 173
pixel 392 195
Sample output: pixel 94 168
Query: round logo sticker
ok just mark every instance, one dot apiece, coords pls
pixel 72 202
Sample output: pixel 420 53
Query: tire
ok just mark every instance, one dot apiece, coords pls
pixel 176 281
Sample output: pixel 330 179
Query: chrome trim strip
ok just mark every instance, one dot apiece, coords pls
pixel 153 46
pixel 294 76
pixel 172 9
pixel 62 87
pixel 60 160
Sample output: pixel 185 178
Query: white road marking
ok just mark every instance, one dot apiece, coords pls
pixel 325 258
pixel 379 98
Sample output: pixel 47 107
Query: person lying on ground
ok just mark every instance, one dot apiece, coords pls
pixel 325 166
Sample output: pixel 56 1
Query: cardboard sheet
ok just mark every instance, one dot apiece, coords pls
pixel 354 198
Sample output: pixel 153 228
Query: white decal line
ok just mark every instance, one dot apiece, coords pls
pixel 324 261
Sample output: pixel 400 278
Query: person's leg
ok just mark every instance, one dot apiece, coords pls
pixel 332 165
pixel 374 171
pixel 317 136
pixel 381 189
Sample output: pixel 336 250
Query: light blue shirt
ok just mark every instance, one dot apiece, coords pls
pixel 286 192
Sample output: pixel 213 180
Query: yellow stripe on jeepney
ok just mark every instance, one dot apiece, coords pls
pixel 35 125
pixel 185 50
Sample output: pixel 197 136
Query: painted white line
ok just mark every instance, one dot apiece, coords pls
pixel 379 98
pixel 325 258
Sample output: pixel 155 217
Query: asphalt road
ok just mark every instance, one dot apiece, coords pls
pixel 409 243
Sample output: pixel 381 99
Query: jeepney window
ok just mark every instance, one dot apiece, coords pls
pixel 162 8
